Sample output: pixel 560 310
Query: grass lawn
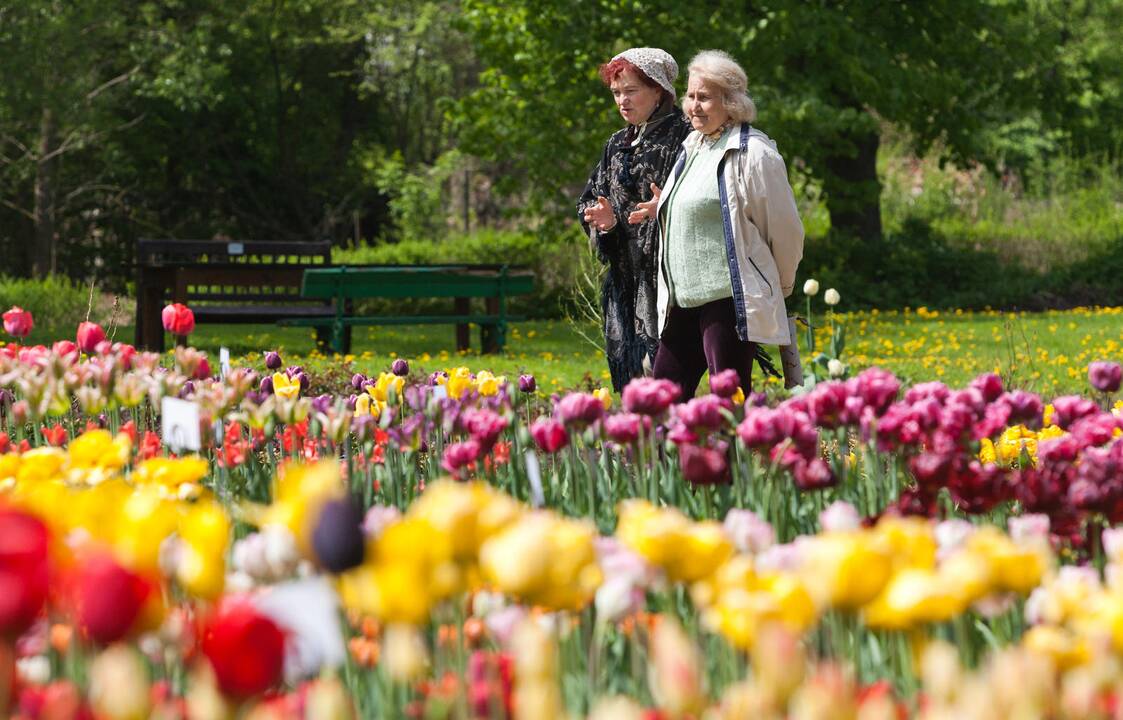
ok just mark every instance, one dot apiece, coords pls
pixel 1044 352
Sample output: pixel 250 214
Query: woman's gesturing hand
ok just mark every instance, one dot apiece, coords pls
pixel 645 210
pixel 601 215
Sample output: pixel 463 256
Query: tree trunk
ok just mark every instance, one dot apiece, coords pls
pixel 46 171
pixel 853 190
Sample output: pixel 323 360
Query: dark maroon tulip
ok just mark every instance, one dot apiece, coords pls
pixel 273 360
pixel 399 367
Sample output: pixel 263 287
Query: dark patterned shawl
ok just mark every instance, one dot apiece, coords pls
pixel 624 176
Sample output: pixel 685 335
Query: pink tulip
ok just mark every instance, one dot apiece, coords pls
pixel 703 414
pixel 647 396
pixel 18 322
pixel 1104 376
pixel 460 457
pixel 580 409
pixel 178 319
pixel 549 434
pixel 89 335
pixel 725 383
pixel 624 428
pixel 485 426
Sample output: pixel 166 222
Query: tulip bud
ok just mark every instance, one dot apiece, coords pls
pixel 273 360
pixel 403 653
pixel 178 319
pixel 23 570
pixel 1105 376
pixel 109 598
pixel 18 322
pixel 89 335
pixel 400 367
pixel 811 288
pixel 835 367
pixel 831 297
pixel 527 383
pixel 266 385
pixel 119 684
pixel 245 648
pixel 337 539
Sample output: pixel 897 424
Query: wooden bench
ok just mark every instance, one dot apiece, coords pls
pixel 341 284
pixel 225 282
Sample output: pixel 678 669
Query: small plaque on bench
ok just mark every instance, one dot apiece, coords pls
pixel 235 248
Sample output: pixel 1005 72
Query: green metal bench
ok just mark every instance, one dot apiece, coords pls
pixel 344 284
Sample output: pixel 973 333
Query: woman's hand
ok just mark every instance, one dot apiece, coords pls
pixel 601 215
pixel 645 210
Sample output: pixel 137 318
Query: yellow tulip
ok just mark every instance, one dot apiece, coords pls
pixel 284 386
pixel 702 548
pixel 605 396
pixel 386 384
pixel 914 596
pixel 846 570
pixel 487 384
pixel 40 464
pixel 366 405
pixel 99 449
pixel 459 382
pixel 171 472
pixel 1065 650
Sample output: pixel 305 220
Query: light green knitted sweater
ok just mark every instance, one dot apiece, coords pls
pixel 694 253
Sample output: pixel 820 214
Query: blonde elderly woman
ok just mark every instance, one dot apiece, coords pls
pixel 634 158
pixel 731 237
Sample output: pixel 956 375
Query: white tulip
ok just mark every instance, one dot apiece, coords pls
pixel 811 288
pixel 831 296
pixel 835 367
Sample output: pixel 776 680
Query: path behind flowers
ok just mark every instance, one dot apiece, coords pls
pixel 1044 352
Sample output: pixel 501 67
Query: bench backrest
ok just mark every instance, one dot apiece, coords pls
pixel 416 281
pixel 213 271
pixel 163 253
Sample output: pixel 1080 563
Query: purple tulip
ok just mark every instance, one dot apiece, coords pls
pixel 990 385
pixel 358 380
pixel 1025 408
pixel 273 360
pixel 266 385
pixel 187 389
pixel 435 378
pixel 527 384
pixel 321 403
pixel 704 465
pixel 1105 376
pixel 302 378
pixel 337 538
pixel 399 367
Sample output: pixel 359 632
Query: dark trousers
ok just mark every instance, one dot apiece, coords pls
pixel 700 339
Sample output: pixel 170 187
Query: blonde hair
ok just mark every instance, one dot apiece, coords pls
pixel 722 71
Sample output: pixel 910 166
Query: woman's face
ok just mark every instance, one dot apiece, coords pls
pixel 636 100
pixel 703 106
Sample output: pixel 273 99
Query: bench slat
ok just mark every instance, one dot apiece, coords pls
pixel 411 282
pixel 400 320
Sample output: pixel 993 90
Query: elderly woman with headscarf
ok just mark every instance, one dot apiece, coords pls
pixel 731 237
pixel 634 160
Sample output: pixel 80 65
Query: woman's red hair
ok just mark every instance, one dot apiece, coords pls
pixel 612 70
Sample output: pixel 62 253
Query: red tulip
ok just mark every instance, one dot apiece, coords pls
pixel 108 598
pixel 178 319
pixel 18 322
pixel 245 648
pixel 89 335
pixel 23 570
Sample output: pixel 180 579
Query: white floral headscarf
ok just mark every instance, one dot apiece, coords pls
pixel 654 63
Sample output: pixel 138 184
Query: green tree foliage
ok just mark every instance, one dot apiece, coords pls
pixel 826 74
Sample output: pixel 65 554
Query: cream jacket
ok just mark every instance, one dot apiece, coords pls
pixel 763 234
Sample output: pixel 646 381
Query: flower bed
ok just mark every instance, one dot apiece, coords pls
pixel 457 545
